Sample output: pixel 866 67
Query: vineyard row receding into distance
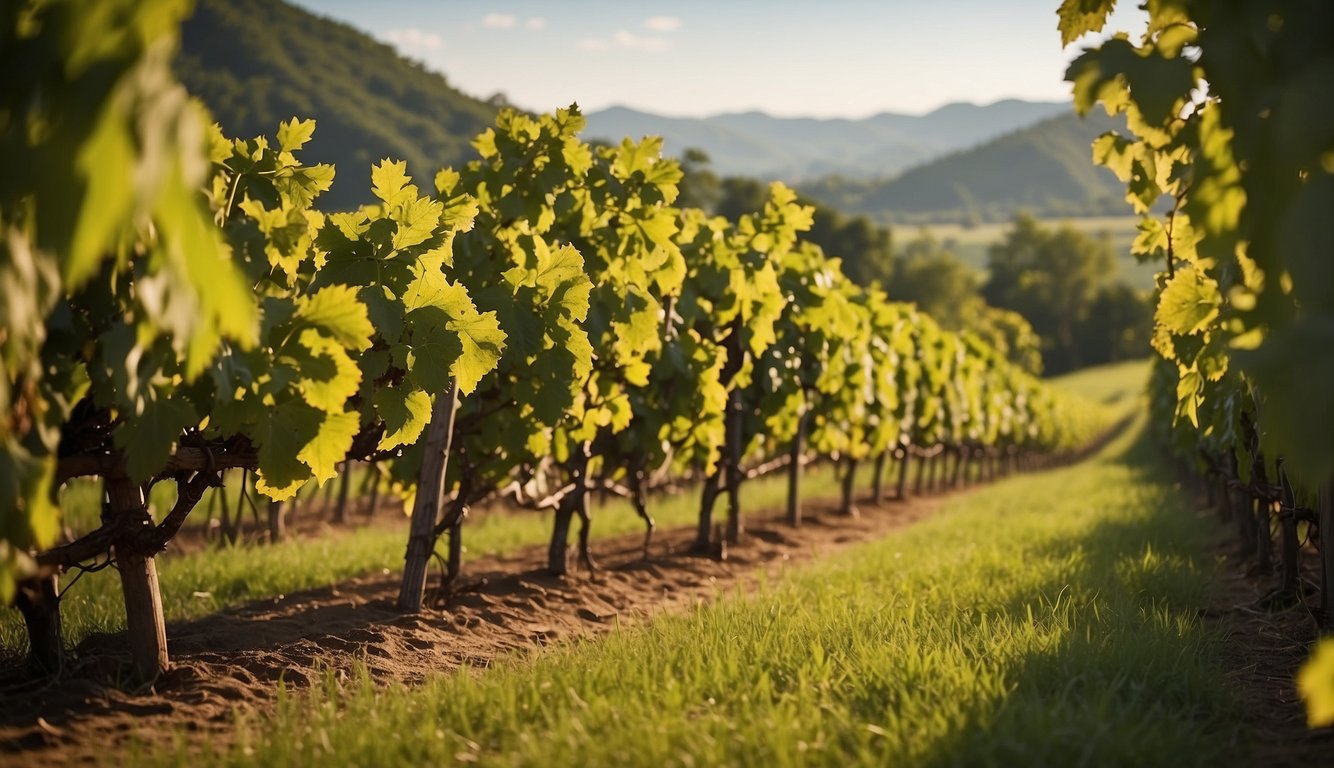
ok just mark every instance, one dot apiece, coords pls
pixel 542 324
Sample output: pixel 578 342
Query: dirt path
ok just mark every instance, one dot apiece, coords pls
pixel 504 605
pixel 1262 653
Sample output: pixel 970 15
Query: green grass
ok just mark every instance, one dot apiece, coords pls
pixel 1049 619
pixel 201 583
pixel 970 244
pixel 1118 383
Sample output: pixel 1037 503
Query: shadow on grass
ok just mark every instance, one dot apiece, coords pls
pixel 1132 679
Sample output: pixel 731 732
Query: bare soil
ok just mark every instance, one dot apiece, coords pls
pixel 1263 650
pixel 233 660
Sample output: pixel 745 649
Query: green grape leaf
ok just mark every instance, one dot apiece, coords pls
pixel 289 428
pixel 406 413
pixel 330 444
pixel 428 287
pixel 483 344
pixel 149 438
pixel 417 220
pixel 1156 84
pixel 293 134
pixel 327 376
pixel 1189 387
pixel 337 311
pixel 390 182
pixel 1079 17
pixel 1189 302
pixel 429 356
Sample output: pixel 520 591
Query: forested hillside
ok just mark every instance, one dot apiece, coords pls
pixel 1044 168
pixel 256 62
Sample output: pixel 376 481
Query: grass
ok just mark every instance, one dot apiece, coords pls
pixel 1049 619
pixel 1118 383
pixel 970 244
pixel 201 583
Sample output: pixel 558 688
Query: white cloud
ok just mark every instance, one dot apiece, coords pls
pixel 414 39
pixel 662 23
pixel 499 21
pixel 626 39
pixel 535 22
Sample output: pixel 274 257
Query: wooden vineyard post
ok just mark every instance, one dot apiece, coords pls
pixel 878 480
pixel 794 474
pixel 344 486
pixel 732 468
pixel 708 496
pixel 574 502
pixel 277 521
pixel 430 496
pixel 1325 512
pixel 904 460
pixel 847 507
pixel 147 629
pixel 374 501
pixel 39 602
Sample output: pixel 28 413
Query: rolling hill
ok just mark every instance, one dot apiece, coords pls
pixel 257 62
pixel 1044 168
pixel 794 149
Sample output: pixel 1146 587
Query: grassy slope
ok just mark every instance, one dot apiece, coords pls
pixel 1047 620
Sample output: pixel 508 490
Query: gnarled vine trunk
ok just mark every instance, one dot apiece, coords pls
pixel 430 497
pixel 39 602
pixel 794 473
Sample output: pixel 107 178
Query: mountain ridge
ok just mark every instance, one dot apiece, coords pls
pixel 1045 168
pixel 755 143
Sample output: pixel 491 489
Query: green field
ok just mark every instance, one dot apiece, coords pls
pixel 970 244
pixel 1117 384
pixel 1050 619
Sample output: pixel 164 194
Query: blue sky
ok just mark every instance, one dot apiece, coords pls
pixel 825 58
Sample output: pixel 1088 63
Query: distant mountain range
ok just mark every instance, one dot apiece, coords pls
pixel 255 63
pixel 800 149
pixel 1046 168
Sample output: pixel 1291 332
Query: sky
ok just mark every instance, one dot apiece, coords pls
pixel 818 58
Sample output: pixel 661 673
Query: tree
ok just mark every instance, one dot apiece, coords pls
pixel 1053 278
pixel 700 187
pixel 937 282
pixel 1118 324
pixel 866 248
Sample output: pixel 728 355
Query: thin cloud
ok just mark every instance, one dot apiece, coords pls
pixel 414 39
pixel 629 40
pixel 499 21
pixel 535 22
pixel 662 23
pixel 625 40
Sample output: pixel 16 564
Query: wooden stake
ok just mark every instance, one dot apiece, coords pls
pixel 147 629
pixel 430 497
